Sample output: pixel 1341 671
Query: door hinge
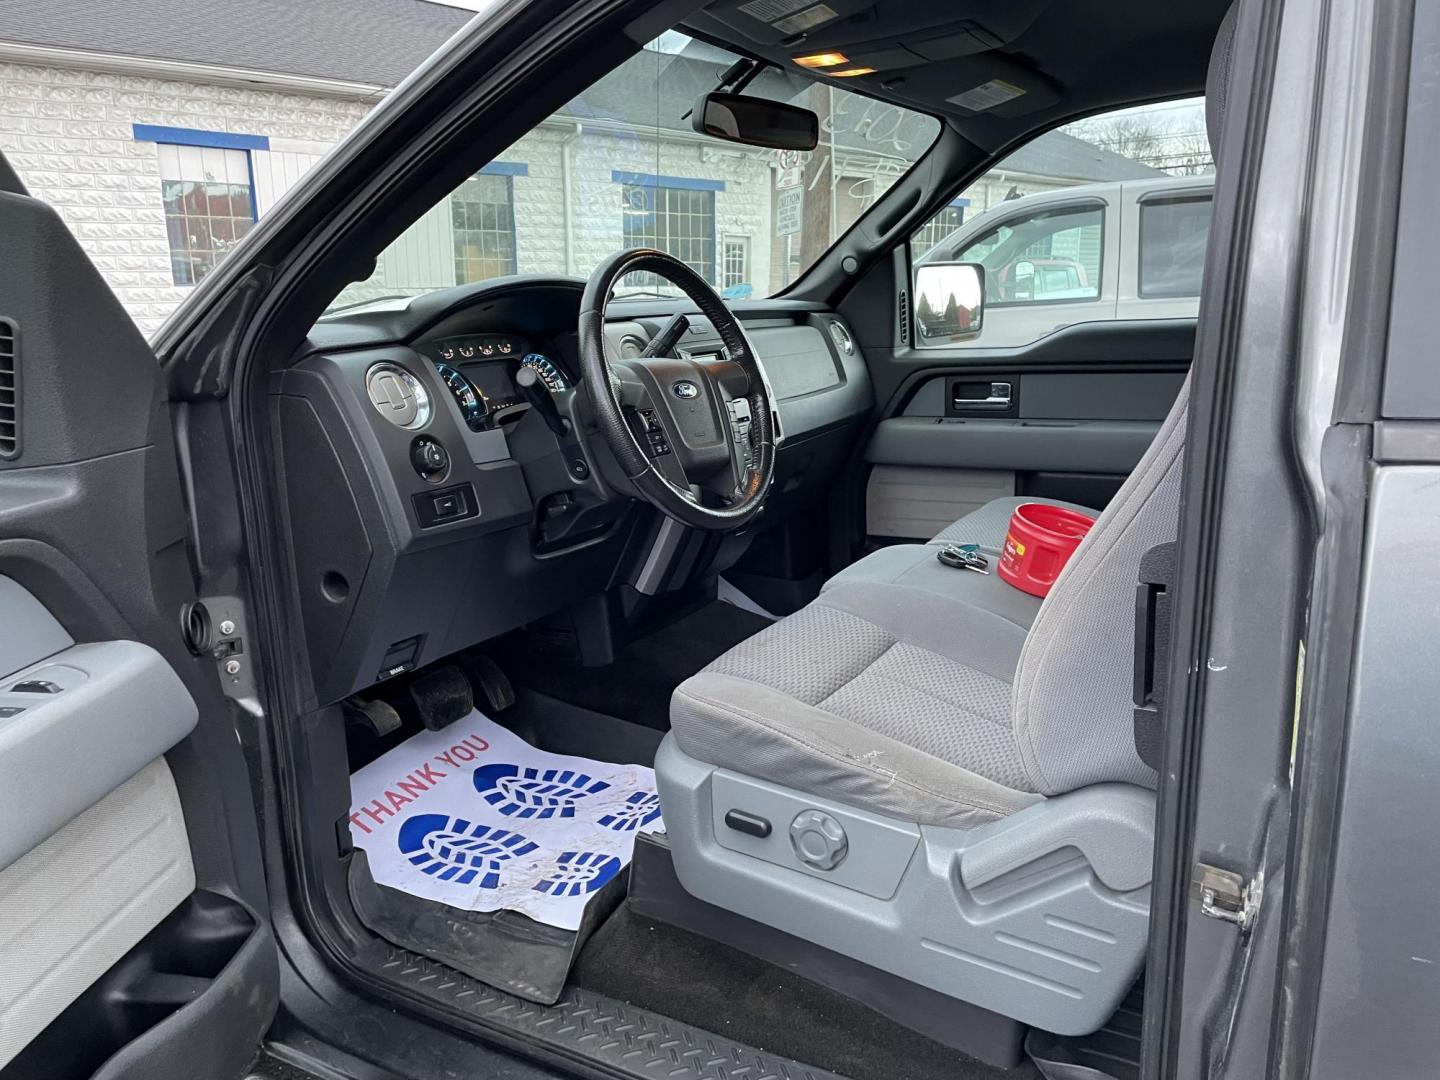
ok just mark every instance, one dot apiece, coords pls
pixel 1225 895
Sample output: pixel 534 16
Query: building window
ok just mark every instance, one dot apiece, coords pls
pixel 482 211
pixel 937 229
pixel 209 205
pixel 679 221
pixel 736 262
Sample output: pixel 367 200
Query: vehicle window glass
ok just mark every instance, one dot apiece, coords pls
pixel 1105 218
pixel 1047 258
pixel 1173 236
pixel 620 166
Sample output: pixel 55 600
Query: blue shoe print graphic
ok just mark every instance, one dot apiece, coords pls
pixel 453 849
pixel 535 793
pixel 578 872
pixel 641 808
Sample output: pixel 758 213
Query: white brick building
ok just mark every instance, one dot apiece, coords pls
pixel 160 133
pixel 104 101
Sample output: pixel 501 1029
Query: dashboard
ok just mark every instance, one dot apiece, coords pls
pixel 445 482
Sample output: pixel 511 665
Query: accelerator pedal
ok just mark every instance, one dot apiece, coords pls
pixel 442 696
pixel 490 683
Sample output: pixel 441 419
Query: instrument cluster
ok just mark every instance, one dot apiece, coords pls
pixel 479 371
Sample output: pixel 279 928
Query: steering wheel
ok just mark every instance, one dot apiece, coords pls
pixel 695 437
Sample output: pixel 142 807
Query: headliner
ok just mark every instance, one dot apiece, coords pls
pixel 1069 57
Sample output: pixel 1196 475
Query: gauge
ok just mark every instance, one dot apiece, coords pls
pixel 549 373
pixel 473 406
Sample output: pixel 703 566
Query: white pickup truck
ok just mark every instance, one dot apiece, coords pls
pixel 1096 252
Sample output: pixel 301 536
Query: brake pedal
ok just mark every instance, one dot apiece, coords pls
pixel 442 696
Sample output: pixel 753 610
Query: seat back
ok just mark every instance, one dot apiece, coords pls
pixel 1071 706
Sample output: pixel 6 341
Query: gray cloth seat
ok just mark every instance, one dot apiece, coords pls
pixel 941 695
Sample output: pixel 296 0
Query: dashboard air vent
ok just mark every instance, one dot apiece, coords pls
pixel 904 317
pixel 9 390
pixel 398 396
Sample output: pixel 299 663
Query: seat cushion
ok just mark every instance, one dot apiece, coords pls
pixel 892 698
pixel 988 525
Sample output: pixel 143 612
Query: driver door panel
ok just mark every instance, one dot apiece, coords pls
pixel 134 939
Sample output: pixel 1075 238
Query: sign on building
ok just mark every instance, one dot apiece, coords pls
pixel 789 211
pixel 789 169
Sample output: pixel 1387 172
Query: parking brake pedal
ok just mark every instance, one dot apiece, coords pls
pixel 442 696
pixel 379 716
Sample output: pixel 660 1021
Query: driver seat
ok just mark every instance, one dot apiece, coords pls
pixel 935 774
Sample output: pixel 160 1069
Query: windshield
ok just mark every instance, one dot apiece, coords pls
pixel 620 166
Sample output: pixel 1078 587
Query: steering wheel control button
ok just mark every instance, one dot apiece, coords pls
pixel 749 824
pixel 442 507
pixel 651 433
pixel 431 460
pixel 740 421
pixel 398 396
pixel 819 841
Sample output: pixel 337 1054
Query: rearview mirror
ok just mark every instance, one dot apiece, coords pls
pixel 949 301
pixel 756 121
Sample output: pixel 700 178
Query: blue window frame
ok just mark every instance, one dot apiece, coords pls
pixel 207 187
pixel 673 214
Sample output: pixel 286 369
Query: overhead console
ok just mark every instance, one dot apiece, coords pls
pixel 927 53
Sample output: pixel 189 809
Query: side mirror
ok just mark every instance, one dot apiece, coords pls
pixel 756 121
pixel 949 301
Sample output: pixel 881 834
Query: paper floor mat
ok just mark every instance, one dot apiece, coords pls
pixel 475 817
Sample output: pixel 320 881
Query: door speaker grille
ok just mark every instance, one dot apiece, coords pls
pixel 9 390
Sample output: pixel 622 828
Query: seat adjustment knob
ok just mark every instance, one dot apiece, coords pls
pixel 819 840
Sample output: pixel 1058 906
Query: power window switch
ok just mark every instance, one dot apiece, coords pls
pixel 36 686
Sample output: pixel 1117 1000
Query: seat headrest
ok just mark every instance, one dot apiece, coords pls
pixel 1217 79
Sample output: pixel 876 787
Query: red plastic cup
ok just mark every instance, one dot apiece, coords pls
pixel 1040 541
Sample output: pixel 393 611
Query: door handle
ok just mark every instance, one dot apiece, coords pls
pixel 999 395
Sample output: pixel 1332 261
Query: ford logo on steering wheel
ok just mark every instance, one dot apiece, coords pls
pixel 685 390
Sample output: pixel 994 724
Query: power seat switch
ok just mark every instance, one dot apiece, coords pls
pixel 749 824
